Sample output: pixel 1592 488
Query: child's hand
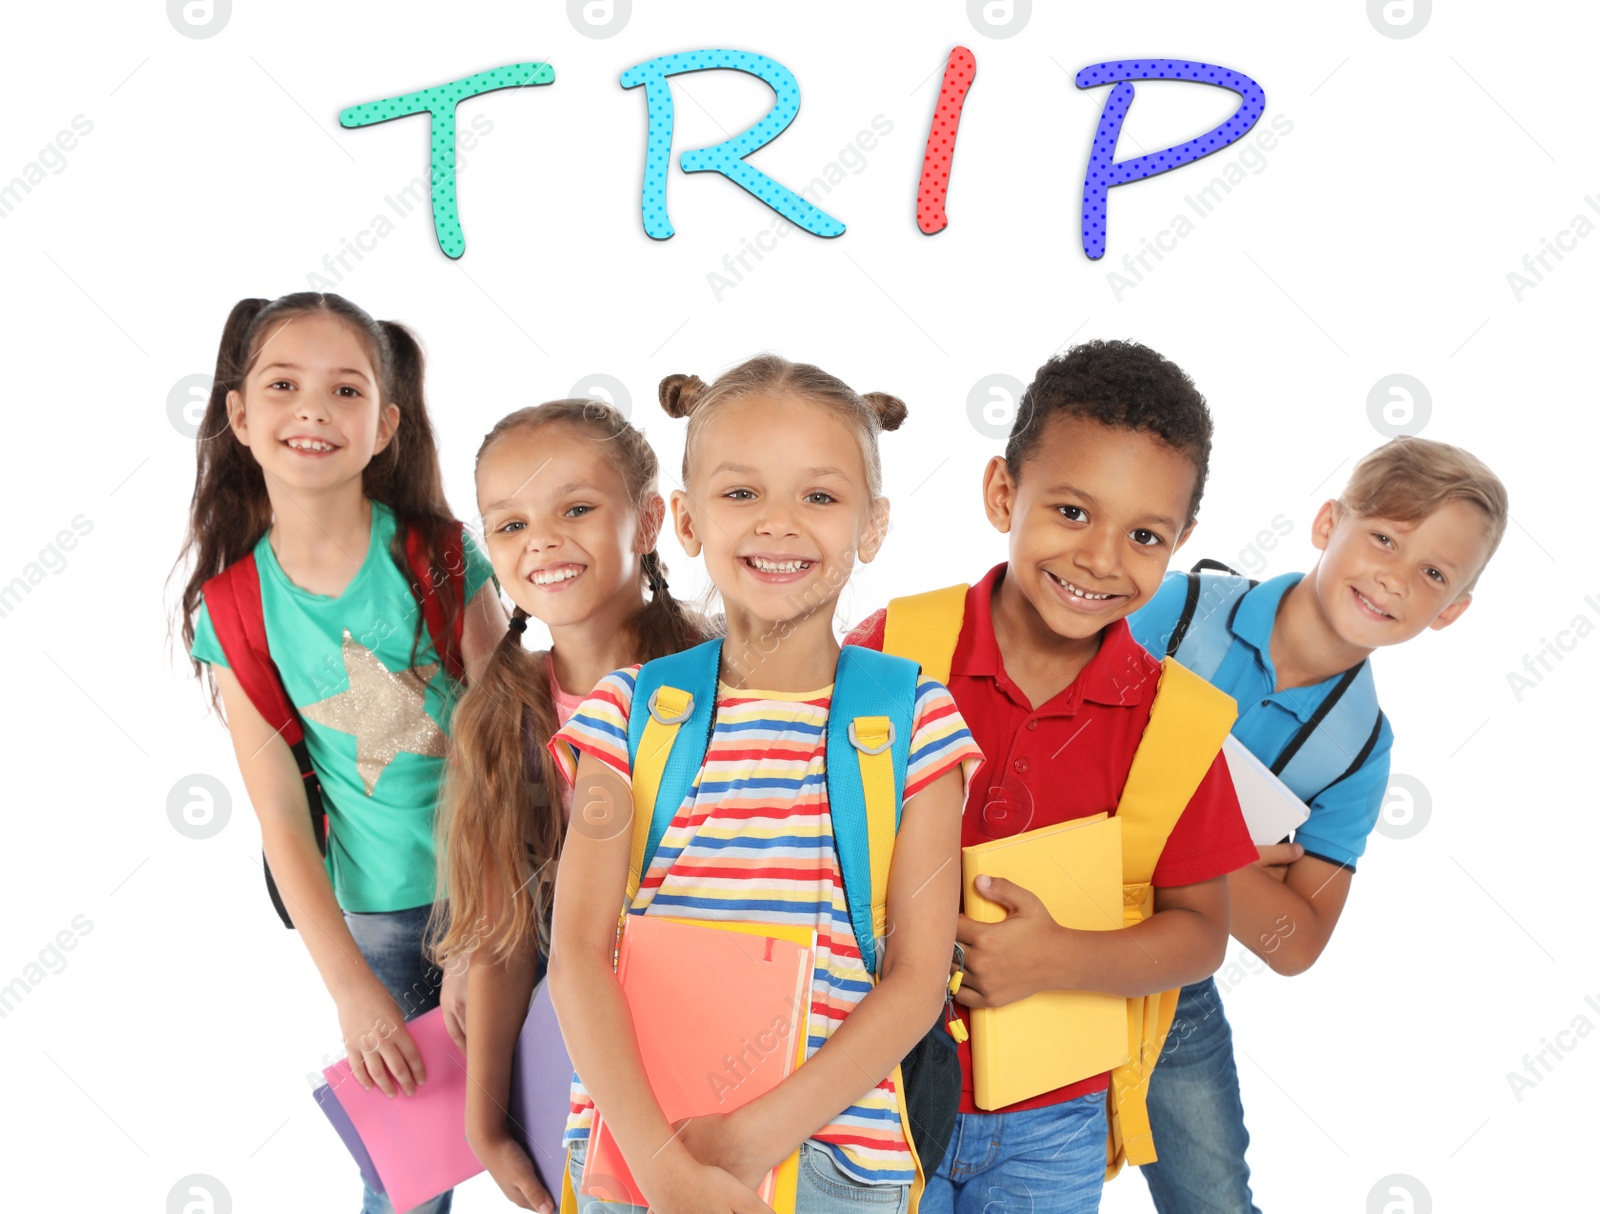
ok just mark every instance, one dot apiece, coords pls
pixel 691 1187
pixel 512 1170
pixel 1276 858
pixel 1002 960
pixel 721 1141
pixel 376 1041
pixel 453 1000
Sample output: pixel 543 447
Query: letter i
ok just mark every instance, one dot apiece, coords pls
pixel 959 71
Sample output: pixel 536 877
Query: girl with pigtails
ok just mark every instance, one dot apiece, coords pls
pixel 782 494
pixel 571 515
pixel 326 574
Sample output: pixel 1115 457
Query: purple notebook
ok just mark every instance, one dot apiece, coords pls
pixel 541 1090
pixel 334 1111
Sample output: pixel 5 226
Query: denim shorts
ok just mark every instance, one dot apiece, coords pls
pixel 822 1188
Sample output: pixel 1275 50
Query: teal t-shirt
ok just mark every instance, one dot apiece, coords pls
pixel 376 739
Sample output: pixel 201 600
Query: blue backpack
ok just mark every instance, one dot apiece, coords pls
pixel 1339 735
pixel 874 698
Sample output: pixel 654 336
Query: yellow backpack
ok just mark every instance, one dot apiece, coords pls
pixel 1189 719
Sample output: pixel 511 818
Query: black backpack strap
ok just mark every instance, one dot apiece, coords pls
pixel 1191 600
pixel 1361 757
pixel 1310 727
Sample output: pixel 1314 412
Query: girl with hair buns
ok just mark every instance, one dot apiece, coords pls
pixel 782 495
pixel 570 517
pixel 318 479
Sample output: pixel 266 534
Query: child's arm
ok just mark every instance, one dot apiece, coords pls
pixel 482 629
pixel 1028 951
pixel 924 894
pixel 1287 920
pixel 455 973
pixel 375 1035
pixel 593 1011
pixel 497 1004
pixel 1286 906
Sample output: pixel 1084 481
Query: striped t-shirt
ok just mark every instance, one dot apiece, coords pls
pixel 753 842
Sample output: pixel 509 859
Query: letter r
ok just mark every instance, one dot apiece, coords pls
pixel 727 157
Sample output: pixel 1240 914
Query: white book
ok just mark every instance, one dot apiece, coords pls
pixel 1271 810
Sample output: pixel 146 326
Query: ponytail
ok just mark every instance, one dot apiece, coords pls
pixel 500 822
pixel 405 475
pixel 229 509
pixel 664 626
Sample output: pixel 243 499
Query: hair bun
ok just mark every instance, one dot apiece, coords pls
pixel 891 410
pixel 680 393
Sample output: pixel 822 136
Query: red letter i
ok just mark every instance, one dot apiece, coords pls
pixel 959 71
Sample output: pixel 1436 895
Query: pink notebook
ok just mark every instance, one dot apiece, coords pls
pixel 418 1144
pixel 719 1011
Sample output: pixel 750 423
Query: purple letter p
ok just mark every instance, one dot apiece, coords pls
pixel 1105 170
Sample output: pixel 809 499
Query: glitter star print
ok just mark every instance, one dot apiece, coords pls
pixel 383 708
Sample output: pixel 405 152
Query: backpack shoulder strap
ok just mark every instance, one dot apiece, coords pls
pixel 925 628
pixel 1206 562
pixel 1345 724
pixel 868 752
pixel 1189 720
pixel 233 600
pixel 447 644
pixel 1204 630
pixel 669 727
pixel 1315 720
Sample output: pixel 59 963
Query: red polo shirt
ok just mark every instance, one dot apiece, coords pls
pixel 1069 758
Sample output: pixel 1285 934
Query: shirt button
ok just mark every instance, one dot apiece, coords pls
pixel 1021 765
pixel 1264 703
pixel 1033 724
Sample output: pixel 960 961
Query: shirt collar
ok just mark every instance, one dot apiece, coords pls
pixel 1253 623
pixel 1258 610
pixel 1116 669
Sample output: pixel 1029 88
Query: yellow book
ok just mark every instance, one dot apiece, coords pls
pixel 1052 1038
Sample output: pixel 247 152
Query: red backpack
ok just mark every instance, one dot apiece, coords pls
pixel 233 599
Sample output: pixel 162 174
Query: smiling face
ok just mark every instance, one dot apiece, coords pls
pixel 309 408
pixel 562 532
pixel 1093 520
pixel 778 502
pixel 1380 581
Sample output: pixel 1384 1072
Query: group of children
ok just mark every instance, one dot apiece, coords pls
pixel 436 759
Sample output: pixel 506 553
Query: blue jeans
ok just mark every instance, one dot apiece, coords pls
pixel 1196 1117
pixel 822 1189
pixel 1039 1161
pixel 391 942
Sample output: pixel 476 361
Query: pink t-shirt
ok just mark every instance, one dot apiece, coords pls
pixel 566 705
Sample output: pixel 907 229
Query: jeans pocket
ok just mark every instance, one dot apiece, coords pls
pixel 824 1187
pixel 595 1204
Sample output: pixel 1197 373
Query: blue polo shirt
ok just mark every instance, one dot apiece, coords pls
pixel 1342 814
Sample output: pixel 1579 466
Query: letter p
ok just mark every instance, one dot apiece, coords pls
pixel 1105 170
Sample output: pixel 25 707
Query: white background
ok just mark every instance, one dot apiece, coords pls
pixel 1376 238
